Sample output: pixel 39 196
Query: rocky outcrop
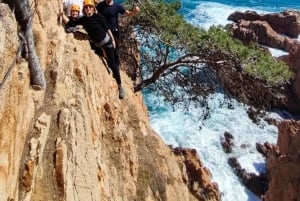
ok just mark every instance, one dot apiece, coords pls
pixel 17 106
pixel 227 142
pixel 261 32
pixel 198 176
pixel 282 179
pixel 258 184
pixel 276 30
pixel 283 164
pixel 286 22
pixel 76 140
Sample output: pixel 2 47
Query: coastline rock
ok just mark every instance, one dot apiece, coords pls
pixel 286 22
pixel 264 148
pixel 198 177
pixel 258 184
pixel 268 30
pixel 227 142
pixel 261 32
pixel 283 164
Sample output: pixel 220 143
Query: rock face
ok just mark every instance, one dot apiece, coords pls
pixel 197 177
pixel 76 140
pixel 276 30
pixel 283 164
pixel 283 160
pixel 286 22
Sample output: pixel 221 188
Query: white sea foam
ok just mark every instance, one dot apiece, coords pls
pixel 181 128
pixel 277 52
pixel 207 14
pixel 211 13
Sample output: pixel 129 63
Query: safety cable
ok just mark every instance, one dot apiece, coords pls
pixel 13 63
pixel 20 48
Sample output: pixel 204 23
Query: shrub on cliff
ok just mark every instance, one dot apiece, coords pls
pixel 179 57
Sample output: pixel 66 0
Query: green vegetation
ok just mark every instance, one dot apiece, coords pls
pixel 254 60
pixel 162 19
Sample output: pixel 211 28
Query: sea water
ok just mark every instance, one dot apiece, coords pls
pixel 179 127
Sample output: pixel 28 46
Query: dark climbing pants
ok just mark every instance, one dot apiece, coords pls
pixel 116 34
pixel 110 58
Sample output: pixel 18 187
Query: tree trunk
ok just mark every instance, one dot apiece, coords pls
pixel 24 18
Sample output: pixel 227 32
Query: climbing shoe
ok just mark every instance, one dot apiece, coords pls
pixel 121 92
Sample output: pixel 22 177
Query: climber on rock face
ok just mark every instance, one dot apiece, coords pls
pixel 68 4
pixel 75 11
pixel 101 37
pixel 111 10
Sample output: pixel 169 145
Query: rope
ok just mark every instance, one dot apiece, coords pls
pixel 20 48
pixel 13 63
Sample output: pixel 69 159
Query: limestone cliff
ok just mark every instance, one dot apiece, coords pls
pixel 76 141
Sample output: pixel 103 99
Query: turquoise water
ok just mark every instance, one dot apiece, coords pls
pixel 181 128
pixel 206 13
pixel 186 129
pixel 266 5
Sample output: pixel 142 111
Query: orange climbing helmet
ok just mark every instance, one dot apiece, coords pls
pixel 88 3
pixel 75 8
